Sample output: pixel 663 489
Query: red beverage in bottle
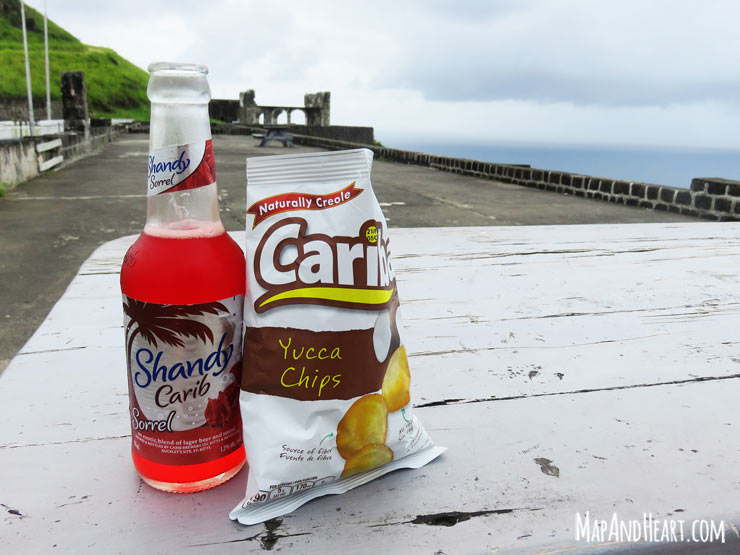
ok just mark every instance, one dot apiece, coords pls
pixel 183 284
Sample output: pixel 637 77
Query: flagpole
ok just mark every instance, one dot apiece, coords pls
pixel 28 72
pixel 46 51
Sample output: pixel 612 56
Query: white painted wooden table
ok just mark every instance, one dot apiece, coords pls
pixel 610 351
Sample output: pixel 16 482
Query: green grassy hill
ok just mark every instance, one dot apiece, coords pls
pixel 115 86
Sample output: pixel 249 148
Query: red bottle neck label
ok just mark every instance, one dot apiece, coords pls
pixel 179 168
pixel 184 374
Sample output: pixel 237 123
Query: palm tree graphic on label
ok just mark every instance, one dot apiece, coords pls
pixel 169 325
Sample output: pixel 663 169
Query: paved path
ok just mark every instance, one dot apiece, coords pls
pixel 50 225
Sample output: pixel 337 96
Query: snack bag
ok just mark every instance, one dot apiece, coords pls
pixel 325 396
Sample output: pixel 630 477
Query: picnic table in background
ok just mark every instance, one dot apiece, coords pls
pixel 566 368
pixel 275 132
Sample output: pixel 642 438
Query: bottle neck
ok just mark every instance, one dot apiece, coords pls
pixel 178 123
pixel 190 212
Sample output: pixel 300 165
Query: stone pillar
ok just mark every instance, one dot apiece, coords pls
pixel 317 109
pixel 249 112
pixel 271 115
pixel 74 103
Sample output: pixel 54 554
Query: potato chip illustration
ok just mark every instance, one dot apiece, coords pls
pixel 365 422
pixel 397 381
pixel 370 456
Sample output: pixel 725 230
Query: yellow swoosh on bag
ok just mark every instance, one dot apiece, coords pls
pixel 336 294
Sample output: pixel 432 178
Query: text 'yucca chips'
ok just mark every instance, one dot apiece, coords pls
pixel 325 394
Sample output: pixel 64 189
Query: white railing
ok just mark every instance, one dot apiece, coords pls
pixel 18 129
pixel 49 154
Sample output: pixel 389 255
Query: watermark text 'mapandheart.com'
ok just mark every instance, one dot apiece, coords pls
pixel 647 529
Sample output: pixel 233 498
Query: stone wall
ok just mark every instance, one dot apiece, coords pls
pixel 15 109
pixel 359 136
pixel 316 109
pixel 19 161
pixel 74 146
pixel 347 133
pixel 74 102
pixel 708 198
pixel 320 107
pixel 223 110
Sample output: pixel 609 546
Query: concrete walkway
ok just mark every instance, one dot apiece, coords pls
pixel 50 225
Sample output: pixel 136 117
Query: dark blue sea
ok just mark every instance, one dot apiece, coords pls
pixel 664 166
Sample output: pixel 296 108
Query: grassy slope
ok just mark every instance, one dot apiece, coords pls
pixel 115 87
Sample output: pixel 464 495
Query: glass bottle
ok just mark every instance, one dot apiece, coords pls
pixel 183 284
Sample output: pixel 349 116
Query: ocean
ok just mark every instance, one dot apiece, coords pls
pixel 663 166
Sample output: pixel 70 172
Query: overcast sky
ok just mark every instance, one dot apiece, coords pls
pixel 626 72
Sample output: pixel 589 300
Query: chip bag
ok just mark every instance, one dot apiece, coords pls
pixel 325 394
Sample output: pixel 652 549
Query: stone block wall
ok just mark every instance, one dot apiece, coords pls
pixel 223 110
pixel 75 145
pixel 346 134
pixel 19 161
pixel 319 116
pixel 707 198
pixel 74 102
pixel 316 109
pixel 15 109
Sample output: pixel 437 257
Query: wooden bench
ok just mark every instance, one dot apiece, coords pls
pixel 568 369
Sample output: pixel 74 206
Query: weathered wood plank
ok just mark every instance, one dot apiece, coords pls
pixel 642 450
pixel 577 326
pixel 553 326
pixel 48 164
pixel 48 145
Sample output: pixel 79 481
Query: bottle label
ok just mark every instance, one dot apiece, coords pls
pixel 179 168
pixel 184 373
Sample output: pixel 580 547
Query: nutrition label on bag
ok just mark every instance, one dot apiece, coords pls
pixel 297 454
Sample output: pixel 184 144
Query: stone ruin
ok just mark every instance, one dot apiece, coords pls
pixel 74 102
pixel 316 107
